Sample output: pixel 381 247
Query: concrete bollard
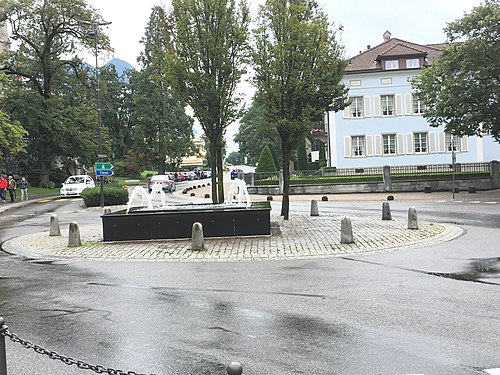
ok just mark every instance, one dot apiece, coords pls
pixel 107 211
pixel 314 208
pixel 54 226
pixel 234 368
pixel 197 240
pixel 386 211
pixel 74 235
pixel 412 218
pixel 346 231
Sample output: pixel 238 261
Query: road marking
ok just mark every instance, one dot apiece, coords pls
pixel 44 201
pixel 493 371
pixel 443 201
pixel 474 202
pixel 490 202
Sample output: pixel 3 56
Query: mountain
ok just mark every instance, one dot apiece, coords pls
pixel 120 66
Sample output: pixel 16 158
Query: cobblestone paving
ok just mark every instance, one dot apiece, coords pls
pixel 300 237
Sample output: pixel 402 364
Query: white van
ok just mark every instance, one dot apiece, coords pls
pixel 74 185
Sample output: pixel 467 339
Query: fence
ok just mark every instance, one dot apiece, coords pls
pixel 234 368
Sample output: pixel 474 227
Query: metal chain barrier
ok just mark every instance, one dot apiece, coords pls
pixel 67 360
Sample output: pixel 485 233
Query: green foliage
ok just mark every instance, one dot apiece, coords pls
pixel 113 195
pixel 266 162
pixel 302 163
pixel 48 92
pixel 254 132
pixel 461 89
pixel 210 39
pixel 12 135
pixel 133 164
pixel 161 126
pixel 298 72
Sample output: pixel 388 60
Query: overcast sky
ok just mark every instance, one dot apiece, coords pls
pixel 363 23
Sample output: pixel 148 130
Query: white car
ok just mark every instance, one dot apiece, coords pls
pixel 74 185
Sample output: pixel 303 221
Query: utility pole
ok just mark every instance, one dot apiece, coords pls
pixel 453 161
pixel 94 34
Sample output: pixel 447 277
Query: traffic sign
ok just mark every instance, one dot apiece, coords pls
pixel 103 166
pixel 103 172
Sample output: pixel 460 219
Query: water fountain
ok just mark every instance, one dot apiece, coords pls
pixel 147 219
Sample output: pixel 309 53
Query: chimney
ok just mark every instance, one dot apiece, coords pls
pixel 368 46
pixel 387 36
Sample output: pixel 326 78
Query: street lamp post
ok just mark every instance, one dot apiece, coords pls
pixel 94 34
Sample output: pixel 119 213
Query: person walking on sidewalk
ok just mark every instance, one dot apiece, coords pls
pixel 12 189
pixel 23 185
pixel 3 188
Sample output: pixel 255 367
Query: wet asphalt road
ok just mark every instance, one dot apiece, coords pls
pixel 432 310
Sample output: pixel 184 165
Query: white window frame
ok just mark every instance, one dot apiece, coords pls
pixel 389 144
pixel 417 106
pixel 421 143
pixel 412 63
pixel 387 104
pixel 358 146
pixel 391 64
pixel 356 109
pixel 449 138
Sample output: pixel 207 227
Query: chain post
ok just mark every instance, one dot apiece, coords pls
pixel 3 353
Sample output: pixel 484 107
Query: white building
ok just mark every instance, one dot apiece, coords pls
pixel 384 123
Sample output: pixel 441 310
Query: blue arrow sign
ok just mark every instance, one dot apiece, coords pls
pixel 104 172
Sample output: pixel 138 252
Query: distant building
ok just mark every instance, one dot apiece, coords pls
pixel 198 160
pixel 383 124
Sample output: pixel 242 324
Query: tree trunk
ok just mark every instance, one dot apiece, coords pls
pixel 220 175
pixel 44 169
pixel 285 204
pixel 213 167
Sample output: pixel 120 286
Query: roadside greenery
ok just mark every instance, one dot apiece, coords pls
pixel 113 195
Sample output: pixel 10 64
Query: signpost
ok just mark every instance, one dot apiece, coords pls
pixel 101 170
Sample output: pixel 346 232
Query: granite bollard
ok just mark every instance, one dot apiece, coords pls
pixel 346 235
pixel 74 235
pixel 55 230
pixel 314 208
pixel 197 240
pixel 412 218
pixel 386 211
pixel 234 368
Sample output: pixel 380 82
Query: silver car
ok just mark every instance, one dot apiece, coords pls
pixel 167 183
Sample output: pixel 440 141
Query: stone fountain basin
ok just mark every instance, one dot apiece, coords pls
pixel 176 222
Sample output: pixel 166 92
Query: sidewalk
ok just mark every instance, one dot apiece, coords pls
pixel 300 237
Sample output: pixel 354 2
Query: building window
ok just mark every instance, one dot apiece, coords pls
pixel 358 145
pixel 418 106
pixel 452 142
pixel 420 142
pixel 412 63
pixel 387 102
pixel 389 143
pixel 355 82
pixel 391 64
pixel 357 106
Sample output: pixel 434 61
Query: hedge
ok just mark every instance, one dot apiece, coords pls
pixel 113 195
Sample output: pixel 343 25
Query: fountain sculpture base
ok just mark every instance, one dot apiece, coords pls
pixel 176 222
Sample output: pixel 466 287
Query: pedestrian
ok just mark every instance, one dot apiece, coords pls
pixel 12 189
pixel 23 185
pixel 3 187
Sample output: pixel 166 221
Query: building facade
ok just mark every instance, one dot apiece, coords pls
pixel 384 124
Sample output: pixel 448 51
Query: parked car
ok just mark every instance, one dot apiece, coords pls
pixel 234 173
pixel 74 185
pixel 167 183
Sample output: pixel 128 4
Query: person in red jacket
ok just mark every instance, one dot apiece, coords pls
pixel 3 188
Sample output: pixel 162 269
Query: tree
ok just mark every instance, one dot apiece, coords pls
pixel 266 162
pixel 209 44
pixel 12 135
pixel 254 132
pixel 234 158
pixel 299 67
pixel 461 88
pixel 47 33
pixel 161 127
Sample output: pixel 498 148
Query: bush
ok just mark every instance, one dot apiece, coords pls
pixel 266 162
pixel 112 196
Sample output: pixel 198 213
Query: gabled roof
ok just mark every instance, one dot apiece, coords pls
pixel 391 48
